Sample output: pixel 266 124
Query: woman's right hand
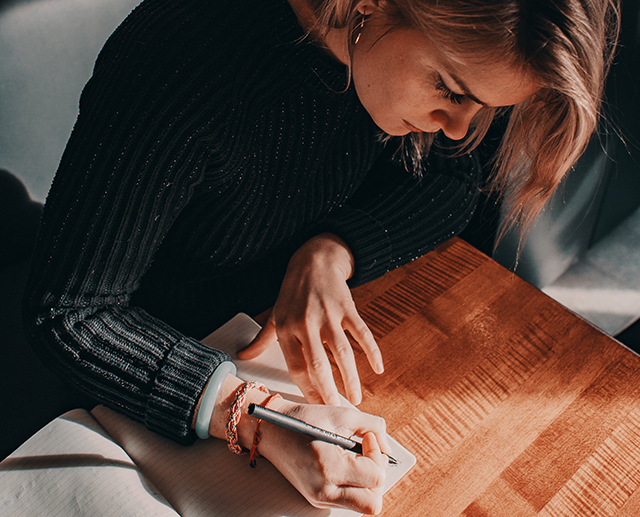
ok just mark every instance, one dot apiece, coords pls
pixel 325 474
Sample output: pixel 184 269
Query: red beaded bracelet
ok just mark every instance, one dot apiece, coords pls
pixel 253 456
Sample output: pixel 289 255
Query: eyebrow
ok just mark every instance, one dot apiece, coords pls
pixel 460 83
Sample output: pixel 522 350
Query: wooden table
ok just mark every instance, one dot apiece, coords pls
pixel 513 405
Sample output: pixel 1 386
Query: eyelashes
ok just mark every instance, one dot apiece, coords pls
pixel 455 98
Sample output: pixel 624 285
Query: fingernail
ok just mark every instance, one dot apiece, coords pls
pixel 379 367
pixel 356 397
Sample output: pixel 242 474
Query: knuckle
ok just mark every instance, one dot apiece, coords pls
pixel 364 330
pixel 316 365
pixel 349 308
pixel 321 493
pixel 370 507
pixel 343 351
pixel 375 506
pixel 320 496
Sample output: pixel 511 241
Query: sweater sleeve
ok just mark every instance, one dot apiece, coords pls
pixel 129 168
pixel 396 217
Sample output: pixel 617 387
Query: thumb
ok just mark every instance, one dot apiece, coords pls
pixel 266 337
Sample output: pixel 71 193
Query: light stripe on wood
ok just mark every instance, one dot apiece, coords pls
pixel 452 415
pixel 606 480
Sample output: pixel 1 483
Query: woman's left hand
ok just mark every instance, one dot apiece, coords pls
pixel 315 307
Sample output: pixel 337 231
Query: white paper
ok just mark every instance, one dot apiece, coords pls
pixel 72 467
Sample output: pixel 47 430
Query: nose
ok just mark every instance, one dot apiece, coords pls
pixel 455 121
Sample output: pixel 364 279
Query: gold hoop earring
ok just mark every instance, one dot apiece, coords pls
pixel 359 29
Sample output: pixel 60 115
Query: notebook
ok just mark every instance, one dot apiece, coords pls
pixel 101 463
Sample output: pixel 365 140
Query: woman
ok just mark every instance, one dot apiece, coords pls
pixel 231 155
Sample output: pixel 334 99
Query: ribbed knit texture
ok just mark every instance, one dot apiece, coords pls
pixel 210 143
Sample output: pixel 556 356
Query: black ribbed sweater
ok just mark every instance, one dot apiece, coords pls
pixel 209 142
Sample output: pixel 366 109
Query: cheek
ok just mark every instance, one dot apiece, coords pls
pixel 391 92
pixel 374 76
pixel 422 89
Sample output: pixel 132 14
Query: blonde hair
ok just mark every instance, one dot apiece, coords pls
pixel 566 45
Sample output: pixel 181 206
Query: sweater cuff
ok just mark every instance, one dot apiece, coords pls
pixel 366 238
pixel 178 387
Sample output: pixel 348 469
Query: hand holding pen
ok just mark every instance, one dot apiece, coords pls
pixel 299 426
pixel 327 475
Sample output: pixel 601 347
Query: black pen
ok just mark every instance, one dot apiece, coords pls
pixel 293 424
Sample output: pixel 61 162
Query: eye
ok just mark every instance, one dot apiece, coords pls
pixel 455 98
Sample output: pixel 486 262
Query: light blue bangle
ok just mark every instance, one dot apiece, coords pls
pixel 210 396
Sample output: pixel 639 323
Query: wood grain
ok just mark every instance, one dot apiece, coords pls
pixel 513 406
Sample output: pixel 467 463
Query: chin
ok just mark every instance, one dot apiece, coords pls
pixel 403 132
pixel 390 128
pixel 395 131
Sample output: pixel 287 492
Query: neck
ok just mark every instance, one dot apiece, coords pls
pixel 333 42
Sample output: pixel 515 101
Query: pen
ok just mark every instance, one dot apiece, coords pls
pixel 293 424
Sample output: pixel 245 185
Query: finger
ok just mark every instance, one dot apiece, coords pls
pixel 366 470
pixel 297 366
pixel 343 354
pixel 364 337
pixel 371 450
pixel 359 423
pixel 363 485
pixel 265 338
pixel 319 369
pixel 356 481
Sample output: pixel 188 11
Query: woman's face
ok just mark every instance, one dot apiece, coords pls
pixel 407 84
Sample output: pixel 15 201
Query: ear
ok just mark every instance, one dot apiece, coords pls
pixel 366 7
